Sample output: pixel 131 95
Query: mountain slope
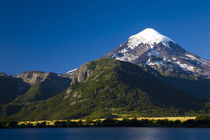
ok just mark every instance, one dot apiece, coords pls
pixel 107 86
pixel 42 86
pixel 168 58
pixel 10 88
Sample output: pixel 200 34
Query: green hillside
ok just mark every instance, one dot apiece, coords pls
pixel 106 87
pixel 192 84
pixel 50 87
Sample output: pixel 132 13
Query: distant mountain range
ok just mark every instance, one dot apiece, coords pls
pixel 148 75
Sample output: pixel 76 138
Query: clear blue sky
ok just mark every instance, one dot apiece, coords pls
pixel 60 35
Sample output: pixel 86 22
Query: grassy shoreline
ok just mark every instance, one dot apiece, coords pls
pixel 201 121
pixel 51 122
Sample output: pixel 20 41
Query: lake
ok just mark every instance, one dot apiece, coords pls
pixel 106 134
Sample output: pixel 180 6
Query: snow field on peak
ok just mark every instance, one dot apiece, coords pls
pixel 148 36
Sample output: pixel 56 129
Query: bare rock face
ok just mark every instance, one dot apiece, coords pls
pixel 52 80
pixel 160 52
pixel 50 84
pixel 82 73
pixel 33 77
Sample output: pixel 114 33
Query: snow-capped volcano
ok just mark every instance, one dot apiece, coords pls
pixel 160 52
pixel 148 36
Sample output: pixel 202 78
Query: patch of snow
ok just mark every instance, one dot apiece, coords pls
pixel 120 58
pixel 72 71
pixel 151 63
pixel 191 56
pixel 127 57
pixel 123 50
pixel 147 62
pixel 174 58
pixel 153 53
pixel 156 63
pixel 148 36
pixel 185 66
pixel 203 61
pixel 198 70
pixel 164 59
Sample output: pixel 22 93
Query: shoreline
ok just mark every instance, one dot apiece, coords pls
pixel 168 122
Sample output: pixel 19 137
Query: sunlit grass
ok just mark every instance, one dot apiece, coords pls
pixel 51 122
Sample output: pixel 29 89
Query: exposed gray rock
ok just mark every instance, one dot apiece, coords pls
pixel 82 73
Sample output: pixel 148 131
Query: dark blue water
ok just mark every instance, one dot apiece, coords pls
pixel 106 134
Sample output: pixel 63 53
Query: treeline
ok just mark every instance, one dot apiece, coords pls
pixel 201 121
